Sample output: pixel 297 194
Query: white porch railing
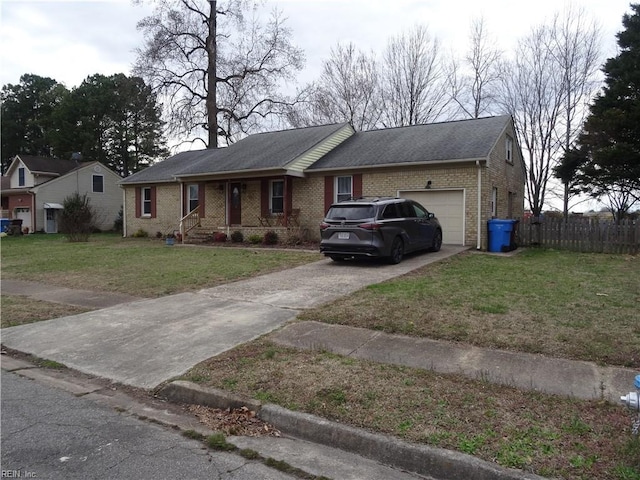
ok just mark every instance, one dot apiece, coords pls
pixel 190 221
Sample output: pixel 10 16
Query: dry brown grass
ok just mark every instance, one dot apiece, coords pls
pixel 18 310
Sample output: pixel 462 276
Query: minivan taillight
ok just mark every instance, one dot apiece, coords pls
pixel 370 226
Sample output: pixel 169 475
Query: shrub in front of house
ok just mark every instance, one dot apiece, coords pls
pixel 237 237
pixel 141 233
pixel 295 236
pixel 255 238
pixel 77 219
pixel 219 237
pixel 119 222
pixel 270 238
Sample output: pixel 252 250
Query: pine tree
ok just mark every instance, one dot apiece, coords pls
pixel 610 143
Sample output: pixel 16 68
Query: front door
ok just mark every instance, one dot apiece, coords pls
pixel 235 204
pixel 52 222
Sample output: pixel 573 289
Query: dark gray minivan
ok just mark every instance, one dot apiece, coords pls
pixel 378 227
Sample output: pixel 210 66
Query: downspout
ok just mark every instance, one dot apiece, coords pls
pixel 479 228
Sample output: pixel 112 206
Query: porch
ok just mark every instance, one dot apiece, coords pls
pixel 285 226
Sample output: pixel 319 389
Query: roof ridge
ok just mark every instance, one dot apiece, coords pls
pixel 339 124
pixel 461 120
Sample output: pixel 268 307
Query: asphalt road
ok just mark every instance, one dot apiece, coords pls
pixel 51 434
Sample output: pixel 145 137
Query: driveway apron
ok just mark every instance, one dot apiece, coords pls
pixel 145 343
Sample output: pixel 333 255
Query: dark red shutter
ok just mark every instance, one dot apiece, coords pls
pixel 328 192
pixel 138 202
pixel 357 185
pixel 201 187
pixel 153 202
pixel 264 197
pixel 288 192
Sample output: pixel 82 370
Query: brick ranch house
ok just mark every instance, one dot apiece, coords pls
pixel 466 172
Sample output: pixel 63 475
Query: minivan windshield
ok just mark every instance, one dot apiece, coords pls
pixel 350 212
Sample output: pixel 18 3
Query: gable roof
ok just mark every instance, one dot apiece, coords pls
pixel 44 165
pixel 461 140
pixel 104 171
pixel 262 151
pixel 289 150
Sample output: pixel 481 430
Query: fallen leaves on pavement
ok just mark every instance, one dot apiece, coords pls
pixel 237 421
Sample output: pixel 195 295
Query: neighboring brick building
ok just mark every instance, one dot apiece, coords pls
pixel 466 172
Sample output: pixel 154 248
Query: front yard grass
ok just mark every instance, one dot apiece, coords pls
pixel 141 267
pixel 18 310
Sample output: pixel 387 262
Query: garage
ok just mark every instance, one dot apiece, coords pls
pixel 448 206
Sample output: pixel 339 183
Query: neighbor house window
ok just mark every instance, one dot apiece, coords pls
pixel 508 144
pixel 146 201
pixel 344 188
pixel 193 197
pixel 276 196
pixel 98 184
pixel 21 177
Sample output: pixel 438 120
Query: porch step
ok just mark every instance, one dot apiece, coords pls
pixel 199 235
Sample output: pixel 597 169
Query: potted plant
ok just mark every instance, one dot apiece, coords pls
pixel 170 239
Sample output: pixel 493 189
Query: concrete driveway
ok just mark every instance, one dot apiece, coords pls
pixel 147 342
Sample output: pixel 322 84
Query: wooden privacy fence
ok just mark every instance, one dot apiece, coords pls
pixel 581 234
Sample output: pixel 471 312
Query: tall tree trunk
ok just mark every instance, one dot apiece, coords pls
pixel 212 109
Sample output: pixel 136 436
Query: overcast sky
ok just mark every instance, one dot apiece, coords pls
pixel 70 40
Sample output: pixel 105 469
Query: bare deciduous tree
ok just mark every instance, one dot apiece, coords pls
pixel 533 95
pixel 414 81
pixel 546 88
pixel 575 45
pixel 347 91
pixel 477 94
pixel 218 76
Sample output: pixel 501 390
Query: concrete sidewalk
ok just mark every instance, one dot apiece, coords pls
pixel 558 376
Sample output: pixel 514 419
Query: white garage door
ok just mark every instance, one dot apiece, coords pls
pixel 24 214
pixel 448 205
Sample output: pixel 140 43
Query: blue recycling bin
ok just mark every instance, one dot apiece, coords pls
pixel 4 224
pixel 501 235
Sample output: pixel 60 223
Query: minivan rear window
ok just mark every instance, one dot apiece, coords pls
pixel 350 212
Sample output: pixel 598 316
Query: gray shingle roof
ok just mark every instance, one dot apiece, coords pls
pixel 262 151
pixel 458 140
pixel 47 164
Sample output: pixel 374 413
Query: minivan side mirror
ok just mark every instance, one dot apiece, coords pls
pixel 431 215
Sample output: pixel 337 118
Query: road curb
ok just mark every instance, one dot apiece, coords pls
pixel 420 459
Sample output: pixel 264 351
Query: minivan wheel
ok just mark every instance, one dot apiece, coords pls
pixel 437 241
pixel 397 251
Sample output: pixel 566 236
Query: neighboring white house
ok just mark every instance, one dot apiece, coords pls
pixel 39 185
